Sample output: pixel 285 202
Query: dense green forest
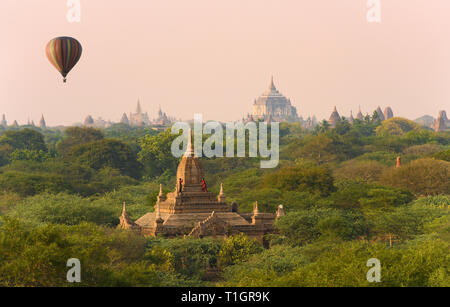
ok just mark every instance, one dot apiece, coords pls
pixel 61 195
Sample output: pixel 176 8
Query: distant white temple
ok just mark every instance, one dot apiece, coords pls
pixel 273 106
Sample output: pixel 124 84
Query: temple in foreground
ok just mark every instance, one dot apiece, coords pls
pixel 192 211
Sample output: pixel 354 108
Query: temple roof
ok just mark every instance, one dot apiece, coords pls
pixel 138 107
pixel 334 117
pixel 388 113
pixel 380 113
pixel 359 115
pixel 271 92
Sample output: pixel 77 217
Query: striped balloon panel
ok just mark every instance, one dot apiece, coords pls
pixel 63 53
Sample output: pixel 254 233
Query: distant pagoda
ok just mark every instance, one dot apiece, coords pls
pixel 442 122
pixel 139 118
pixel 380 114
pixel 359 115
pixel 124 119
pixel 162 119
pixel 4 123
pixel 88 121
pixel 351 119
pixel 272 104
pixel 388 113
pixel 42 123
pixel 334 118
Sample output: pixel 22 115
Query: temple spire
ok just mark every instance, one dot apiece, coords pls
pixel 42 123
pixel 221 197
pixel 161 196
pixel 255 208
pixel 190 147
pixel 272 85
pixel 4 123
pixel 138 108
pixel 124 210
pixel 125 221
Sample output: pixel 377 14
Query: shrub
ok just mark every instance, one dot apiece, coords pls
pixel 367 171
pixel 64 209
pixel 422 177
pixel 396 126
pixel 316 179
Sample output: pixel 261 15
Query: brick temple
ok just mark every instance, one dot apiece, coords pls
pixel 192 211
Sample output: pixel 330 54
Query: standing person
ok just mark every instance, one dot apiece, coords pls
pixel 204 188
pixel 180 185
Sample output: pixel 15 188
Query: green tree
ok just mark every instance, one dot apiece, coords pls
pixel 422 177
pixel 366 171
pixel 107 153
pixel 396 126
pixel 314 179
pixel 319 148
pixel 64 209
pixel 442 155
pixel 306 226
pixel 27 184
pixel 37 257
pixel 188 257
pixel 263 269
pixel 237 249
pixel 76 136
pixel 156 154
pixel 29 155
pixel 23 139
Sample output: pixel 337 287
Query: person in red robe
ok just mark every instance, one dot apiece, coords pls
pixel 204 188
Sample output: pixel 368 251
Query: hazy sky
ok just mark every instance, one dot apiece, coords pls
pixel 217 56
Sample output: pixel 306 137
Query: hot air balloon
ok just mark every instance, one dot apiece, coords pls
pixel 64 53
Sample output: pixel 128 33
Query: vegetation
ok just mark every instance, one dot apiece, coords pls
pixel 61 193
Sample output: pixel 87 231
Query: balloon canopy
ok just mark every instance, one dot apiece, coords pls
pixel 64 53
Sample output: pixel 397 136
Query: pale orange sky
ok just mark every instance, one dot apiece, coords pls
pixel 216 56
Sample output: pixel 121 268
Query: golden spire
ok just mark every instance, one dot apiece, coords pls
pixel 221 196
pixel 124 209
pixel 255 208
pixel 161 196
pixel 190 147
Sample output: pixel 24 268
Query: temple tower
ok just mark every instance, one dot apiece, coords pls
pixel 190 169
pixel 42 123
pixel 380 114
pixel 334 118
pixel 388 113
pixel 124 119
pixel 4 123
pixel 441 122
pixel 359 115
